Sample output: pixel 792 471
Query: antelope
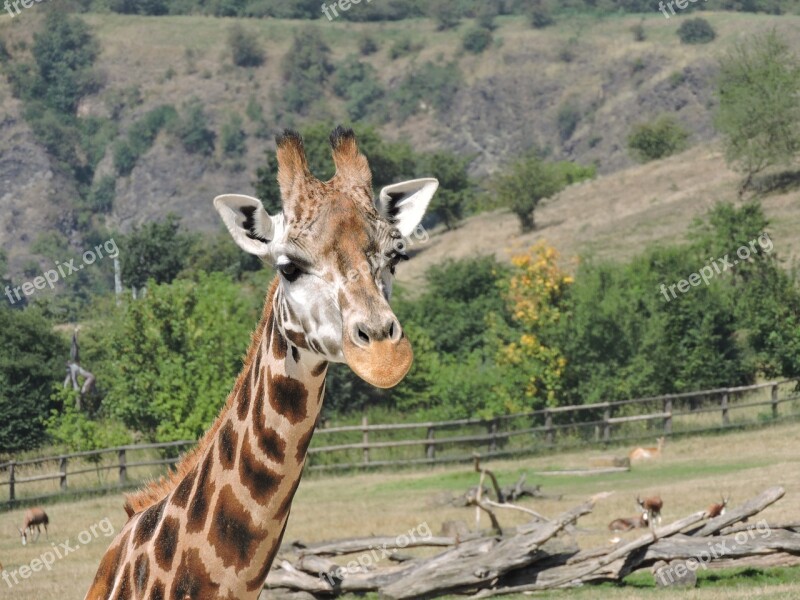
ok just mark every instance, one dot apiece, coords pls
pixel 34 517
pixel 652 508
pixel 629 524
pixel 647 453
pixel 715 510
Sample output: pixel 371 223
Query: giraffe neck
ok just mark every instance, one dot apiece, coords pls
pixel 217 531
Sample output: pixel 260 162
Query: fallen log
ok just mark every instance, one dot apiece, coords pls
pixel 476 565
pixel 356 545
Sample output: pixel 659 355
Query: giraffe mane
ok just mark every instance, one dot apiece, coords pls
pixel 157 490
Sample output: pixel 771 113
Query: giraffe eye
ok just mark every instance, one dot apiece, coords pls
pixel 289 271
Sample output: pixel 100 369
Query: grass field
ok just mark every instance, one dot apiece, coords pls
pixel 692 474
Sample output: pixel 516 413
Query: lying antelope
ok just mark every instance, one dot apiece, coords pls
pixel 715 510
pixel 639 522
pixel 34 517
pixel 647 453
pixel 652 508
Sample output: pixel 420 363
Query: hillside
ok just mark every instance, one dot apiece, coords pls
pixel 615 216
pixel 510 100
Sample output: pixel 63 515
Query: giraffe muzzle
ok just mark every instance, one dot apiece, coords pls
pixel 382 363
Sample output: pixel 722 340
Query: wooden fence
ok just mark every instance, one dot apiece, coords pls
pixel 405 444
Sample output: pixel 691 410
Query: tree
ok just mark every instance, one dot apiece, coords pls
pixel 759 104
pixel 659 139
pixel 233 138
pixel 31 362
pixel 174 355
pixel 306 68
pixel 532 367
pixel 193 131
pixel 530 180
pixel 246 50
pixel 154 251
pixel 696 31
pixel 456 188
pixel 65 52
pixel 477 39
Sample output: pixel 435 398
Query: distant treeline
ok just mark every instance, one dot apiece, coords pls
pixel 391 10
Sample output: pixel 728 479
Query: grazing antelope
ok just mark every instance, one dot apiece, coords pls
pixel 652 508
pixel 647 453
pixel 715 510
pixel 34 517
pixel 639 522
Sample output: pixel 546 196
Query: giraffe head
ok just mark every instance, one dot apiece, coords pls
pixel 335 249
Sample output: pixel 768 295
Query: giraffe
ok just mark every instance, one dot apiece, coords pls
pixel 211 528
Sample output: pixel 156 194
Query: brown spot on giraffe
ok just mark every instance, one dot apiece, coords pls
pixel 141 574
pixel 288 397
pixel 192 579
pixel 228 441
pixel 210 529
pixel 233 533
pixel 198 507
pixel 147 524
pixel 261 481
pixel 166 543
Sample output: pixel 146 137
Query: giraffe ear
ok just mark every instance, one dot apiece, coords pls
pixel 404 204
pixel 250 225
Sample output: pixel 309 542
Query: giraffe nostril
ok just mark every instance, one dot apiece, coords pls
pixel 362 335
pixel 391 330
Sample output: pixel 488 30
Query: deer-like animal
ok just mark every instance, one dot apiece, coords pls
pixel 715 510
pixel 642 453
pixel 639 522
pixel 34 517
pixel 652 508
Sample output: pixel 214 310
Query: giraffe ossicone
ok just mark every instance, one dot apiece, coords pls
pixel 211 529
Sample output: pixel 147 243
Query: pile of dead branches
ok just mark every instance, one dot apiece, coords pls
pixel 532 557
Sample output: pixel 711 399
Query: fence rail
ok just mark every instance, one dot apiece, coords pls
pixel 427 443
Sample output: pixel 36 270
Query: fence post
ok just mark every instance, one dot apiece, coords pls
pixel 606 424
pixel 430 449
pixel 549 431
pixel 123 469
pixel 774 395
pixel 365 438
pixel 668 419
pixel 726 419
pixel 493 433
pixel 62 470
pixel 12 494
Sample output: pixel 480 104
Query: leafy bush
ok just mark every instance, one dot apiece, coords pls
pixel 403 47
pixel 102 195
pixel 696 31
pixel 141 136
pixel 154 251
pixel 763 133
pixel 368 45
pixel 569 115
pixel 32 360
pixel 540 14
pixel 246 49
pixel 445 13
pixel 306 68
pixel 435 84
pixel 658 139
pixel 530 180
pixel 358 83
pixel 233 137
pixel 192 129
pixel 477 39
pixel 191 336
